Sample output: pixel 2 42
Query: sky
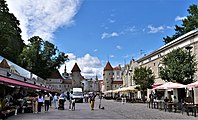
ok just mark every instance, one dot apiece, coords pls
pixel 92 32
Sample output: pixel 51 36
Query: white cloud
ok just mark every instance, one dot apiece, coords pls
pixel 43 17
pixel 111 21
pixel 71 56
pixel 118 47
pixel 90 66
pixel 109 35
pixel 95 50
pixel 155 29
pixel 170 27
pixel 178 18
pixel 111 56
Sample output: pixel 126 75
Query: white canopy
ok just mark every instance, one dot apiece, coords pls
pixel 170 85
pixel 195 84
pixel 126 89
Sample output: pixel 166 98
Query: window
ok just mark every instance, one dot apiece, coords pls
pixel 149 59
pixel 118 72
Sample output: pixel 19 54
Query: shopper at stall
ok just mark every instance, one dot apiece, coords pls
pixel 34 103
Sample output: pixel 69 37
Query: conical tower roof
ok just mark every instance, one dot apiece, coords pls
pixel 55 75
pixel 4 64
pixel 108 67
pixel 76 68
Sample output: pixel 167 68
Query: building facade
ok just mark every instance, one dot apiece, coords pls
pixel 66 81
pixel 112 77
pixel 153 60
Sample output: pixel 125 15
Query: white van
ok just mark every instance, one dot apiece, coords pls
pixel 78 94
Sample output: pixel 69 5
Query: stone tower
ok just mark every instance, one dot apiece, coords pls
pixel 108 76
pixel 76 76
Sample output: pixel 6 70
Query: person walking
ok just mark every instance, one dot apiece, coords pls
pixel 47 101
pixel 40 102
pixel 70 99
pixel 34 103
pixel 92 100
pixel 55 100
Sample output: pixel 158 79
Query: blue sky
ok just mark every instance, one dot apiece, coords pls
pixel 92 32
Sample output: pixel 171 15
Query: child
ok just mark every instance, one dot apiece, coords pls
pixel 73 104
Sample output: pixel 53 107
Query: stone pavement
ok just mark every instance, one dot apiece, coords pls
pixel 113 110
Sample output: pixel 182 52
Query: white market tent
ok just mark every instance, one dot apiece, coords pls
pixel 170 85
pixel 126 89
pixel 195 84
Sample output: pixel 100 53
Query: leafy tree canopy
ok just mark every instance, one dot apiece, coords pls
pixel 41 57
pixel 10 38
pixel 188 24
pixel 144 77
pixel 178 65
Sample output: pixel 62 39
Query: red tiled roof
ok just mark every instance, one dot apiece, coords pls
pixel 82 77
pixel 76 68
pixel 56 75
pixel 4 64
pixel 117 82
pixel 117 68
pixel 108 67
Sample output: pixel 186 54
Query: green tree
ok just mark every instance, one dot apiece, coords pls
pixel 41 57
pixel 10 38
pixel 178 65
pixel 144 77
pixel 188 24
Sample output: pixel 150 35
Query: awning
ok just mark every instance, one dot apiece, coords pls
pixel 170 85
pixel 16 82
pixel 195 84
pixel 155 85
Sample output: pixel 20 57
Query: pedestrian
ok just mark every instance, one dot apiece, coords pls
pixel 34 103
pixel 151 97
pixel 70 99
pixel 55 100
pixel 51 98
pixel 40 102
pixel 86 98
pixel 92 100
pixel 47 101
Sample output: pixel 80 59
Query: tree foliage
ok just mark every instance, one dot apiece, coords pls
pixel 10 38
pixel 178 65
pixel 188 24
pixel 144 77
pixel 41 57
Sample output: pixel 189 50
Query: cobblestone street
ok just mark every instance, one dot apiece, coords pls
pixel 113 110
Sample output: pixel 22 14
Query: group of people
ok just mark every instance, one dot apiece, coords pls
pixel 69 96
pixel 39 100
